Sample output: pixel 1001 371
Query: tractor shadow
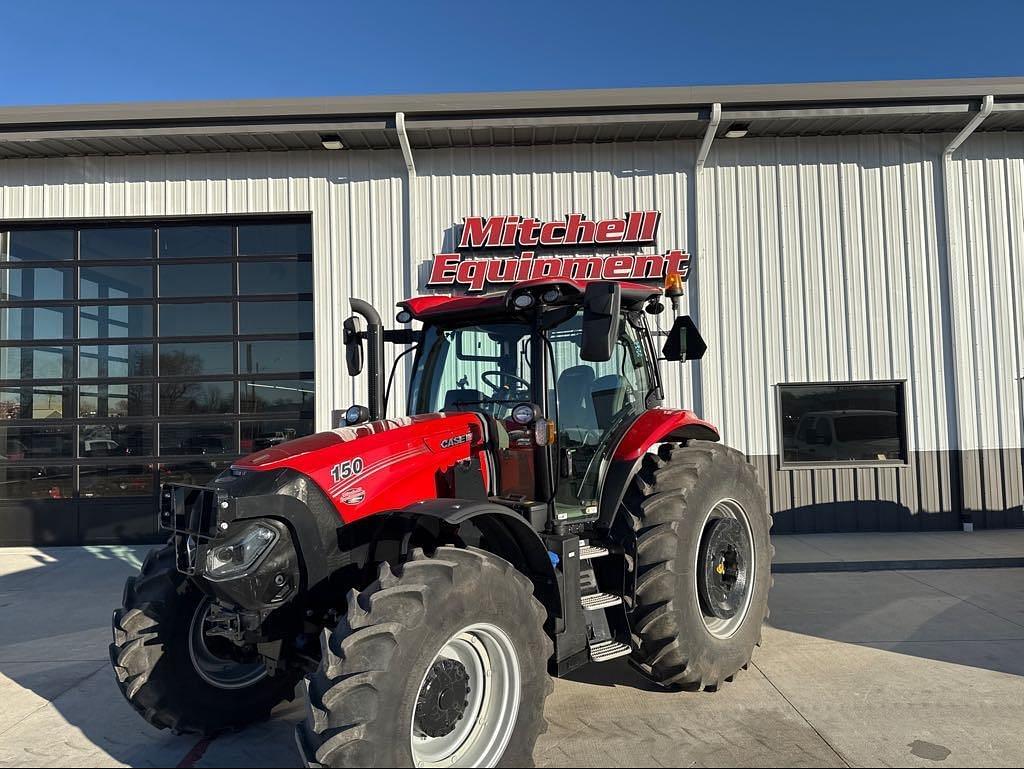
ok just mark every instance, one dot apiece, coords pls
pixel 614 674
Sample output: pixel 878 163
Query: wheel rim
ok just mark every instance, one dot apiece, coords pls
pixel 467 704
pixel 725 568
pixel 211 656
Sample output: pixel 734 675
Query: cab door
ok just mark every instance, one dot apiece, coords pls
pixel 591 402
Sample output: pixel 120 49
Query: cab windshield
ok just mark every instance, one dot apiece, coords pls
pixel 482 367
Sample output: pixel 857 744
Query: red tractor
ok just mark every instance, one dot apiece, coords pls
pixel 424 577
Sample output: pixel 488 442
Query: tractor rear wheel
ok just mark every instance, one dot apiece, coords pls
pixel 176 675
pixel 700 525
pixel 441 662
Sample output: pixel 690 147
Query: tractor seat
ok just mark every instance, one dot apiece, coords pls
pixel 577 420
pixel 575 408
pixel 609 396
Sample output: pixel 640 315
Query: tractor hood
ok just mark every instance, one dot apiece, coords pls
pixel 382 465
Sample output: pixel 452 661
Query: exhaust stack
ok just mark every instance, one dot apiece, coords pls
pixel 374 355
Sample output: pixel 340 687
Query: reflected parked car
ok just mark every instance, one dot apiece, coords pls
pixel 846 435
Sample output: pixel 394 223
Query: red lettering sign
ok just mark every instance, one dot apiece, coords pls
pixel 526 233
pixel 575 230
pixel 477 274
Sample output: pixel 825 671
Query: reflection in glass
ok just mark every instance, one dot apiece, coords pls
pixel 114 321
pixel 842 423
pixel 38 245
pixel 36 284
pixel 35 442
pixel 193 241
pixel 275 278
pixel 256 436
pixel 35 362
pixel 195 358
pixel 198 438
pixel 197 398
pixel 277 356
pixel 115 361
pixel 115 400
pixel 30 323
pixel 275 239
pixel 116 243
pixel 115 440
pixel 196 280
pixel 198 472
pixel 21 482
pixel 116 481
pixel 288 317
pixel 201 319
pixel 278 395
pixel 40 402
pixel 115 282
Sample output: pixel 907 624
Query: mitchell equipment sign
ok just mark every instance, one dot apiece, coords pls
pixel 528 233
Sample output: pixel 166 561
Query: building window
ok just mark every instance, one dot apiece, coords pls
pixel 132 355
pixel 844 423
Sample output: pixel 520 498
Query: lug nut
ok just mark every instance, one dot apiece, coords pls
pixel 279 580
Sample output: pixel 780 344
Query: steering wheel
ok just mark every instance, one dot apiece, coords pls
pixel 503 376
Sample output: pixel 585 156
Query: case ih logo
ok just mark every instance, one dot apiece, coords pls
pixel 527 233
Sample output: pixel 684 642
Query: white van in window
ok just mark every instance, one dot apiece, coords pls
pixel 847 435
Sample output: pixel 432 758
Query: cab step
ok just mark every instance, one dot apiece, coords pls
pixel 588 551
pixel 608 650
pixel 596 601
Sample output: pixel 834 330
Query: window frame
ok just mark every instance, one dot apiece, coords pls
pixel 157 423
pixel 840 464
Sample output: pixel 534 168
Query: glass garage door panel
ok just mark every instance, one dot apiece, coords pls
pixel 133 354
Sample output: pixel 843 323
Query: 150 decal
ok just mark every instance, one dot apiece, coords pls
pixel 347 469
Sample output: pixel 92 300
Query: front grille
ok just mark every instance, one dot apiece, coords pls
pixel 194 515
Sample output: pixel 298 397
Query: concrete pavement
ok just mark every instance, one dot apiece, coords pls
pixel 882 668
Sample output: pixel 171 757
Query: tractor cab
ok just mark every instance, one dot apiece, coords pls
pixel 558 369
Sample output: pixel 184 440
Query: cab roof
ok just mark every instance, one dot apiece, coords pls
pixel 434 306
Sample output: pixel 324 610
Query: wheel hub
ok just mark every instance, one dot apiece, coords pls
pixel 725 576
pixel 443 698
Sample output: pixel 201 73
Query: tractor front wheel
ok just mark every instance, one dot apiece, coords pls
pixel 441 662
pixel 699 524
pixel 176 674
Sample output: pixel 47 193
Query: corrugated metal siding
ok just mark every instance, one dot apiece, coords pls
pixel 986 183
pixel 819 259
pixel 600 180
pixel 356 204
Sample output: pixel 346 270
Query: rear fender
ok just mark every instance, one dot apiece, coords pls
pixel 650 428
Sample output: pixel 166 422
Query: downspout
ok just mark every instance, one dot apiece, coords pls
pixel 403 141
pixel 709 137
pixel 694 300
pixel 952 252
pixel 408 220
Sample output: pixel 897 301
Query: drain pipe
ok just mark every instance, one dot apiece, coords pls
pixel 403 140
pixel 709 136
pixel 952 250
pixel 697 375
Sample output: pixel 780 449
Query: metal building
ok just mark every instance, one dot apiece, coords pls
pixel 174 277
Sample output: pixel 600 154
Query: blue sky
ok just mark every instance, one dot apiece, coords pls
pixel 110 50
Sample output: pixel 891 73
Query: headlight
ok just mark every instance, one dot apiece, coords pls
pixel 237 555
pixel 523 301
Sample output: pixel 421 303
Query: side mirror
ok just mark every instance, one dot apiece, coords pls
pixel 602 305
pixel 353 340
pixel 684 341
